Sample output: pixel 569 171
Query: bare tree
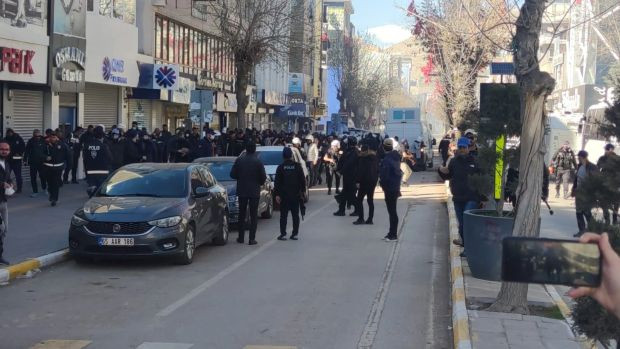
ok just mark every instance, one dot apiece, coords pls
pixel 255 31
pixel 461 38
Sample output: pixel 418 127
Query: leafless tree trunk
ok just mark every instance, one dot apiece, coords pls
pixel 535 87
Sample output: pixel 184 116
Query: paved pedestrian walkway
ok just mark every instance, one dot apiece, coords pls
pixel 36 228
pixel 490 330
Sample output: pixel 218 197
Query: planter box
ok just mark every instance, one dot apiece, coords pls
pixel 483 238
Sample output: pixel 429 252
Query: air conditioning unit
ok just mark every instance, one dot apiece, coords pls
pixel 159 3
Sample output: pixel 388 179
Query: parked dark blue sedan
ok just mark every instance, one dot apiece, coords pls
pixel 220 168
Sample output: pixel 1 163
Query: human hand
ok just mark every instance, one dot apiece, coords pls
pixel 278 200
pixel 608 293
pixel 7 185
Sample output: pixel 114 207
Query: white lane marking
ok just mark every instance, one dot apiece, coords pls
pixel 222 274
pixel 367 338
pixel 430 334
pixel 61 344
pixel 153 345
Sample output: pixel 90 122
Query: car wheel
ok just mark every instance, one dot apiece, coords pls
pixel 190 247
pixel 269 211
pixel 223 238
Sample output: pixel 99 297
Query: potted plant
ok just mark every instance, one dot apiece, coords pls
pixel 484 229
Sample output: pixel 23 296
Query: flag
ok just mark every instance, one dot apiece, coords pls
pixel 411 9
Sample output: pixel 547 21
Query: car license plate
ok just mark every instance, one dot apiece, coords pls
pixel 116 242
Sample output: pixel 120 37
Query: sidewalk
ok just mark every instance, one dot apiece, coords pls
pixel 36 228
pixel 545 328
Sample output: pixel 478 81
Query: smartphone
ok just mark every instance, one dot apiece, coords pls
pixel 548 261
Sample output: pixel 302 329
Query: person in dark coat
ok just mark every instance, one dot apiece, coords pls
pixel 290 184
pixel 444 148
pixel 206 147
pixel 583 208
pixel 133 151
pixel 250 174
pixel 347 167
pixel 160 145
pixel 606 164
pixel 18 147
pixel 6 187
pixel 56 158
pixel 459 170
pixel 34 157
pixel 390 178
pixel 367 177
pixel 97 161
pixel 148 149
pixel 178 148
pixel 117 147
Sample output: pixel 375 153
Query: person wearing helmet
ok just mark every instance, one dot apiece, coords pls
pixel 347 167
pixel 331 162
pixel 313 160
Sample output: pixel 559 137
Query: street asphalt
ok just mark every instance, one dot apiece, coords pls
pixel 339 286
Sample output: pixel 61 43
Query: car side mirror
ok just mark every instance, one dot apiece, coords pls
pixel 202 192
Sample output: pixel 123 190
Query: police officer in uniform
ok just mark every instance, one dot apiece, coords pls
pixel 18 147
pixel 97 161
pixel 290 184
pixel 56 156
pixel 347 167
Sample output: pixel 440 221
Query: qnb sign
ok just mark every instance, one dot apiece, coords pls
pixel 112 70
pixel 16 61
pixel 70 63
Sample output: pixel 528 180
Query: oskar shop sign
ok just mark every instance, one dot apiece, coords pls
pixel 16 61
pixel 70 63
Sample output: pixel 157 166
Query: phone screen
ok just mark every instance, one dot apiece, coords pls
pixel 547 261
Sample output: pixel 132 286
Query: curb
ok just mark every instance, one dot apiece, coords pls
pixel 460 316
pixel 584 342
pixel 13 271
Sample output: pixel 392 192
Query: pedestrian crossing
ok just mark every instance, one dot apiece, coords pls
pixel 83 344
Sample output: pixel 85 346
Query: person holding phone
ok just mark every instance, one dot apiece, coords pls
pixel 608 293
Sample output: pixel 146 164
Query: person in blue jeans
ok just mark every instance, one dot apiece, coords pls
pixel 458 171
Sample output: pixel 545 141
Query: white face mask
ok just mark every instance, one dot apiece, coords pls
pixel 115 136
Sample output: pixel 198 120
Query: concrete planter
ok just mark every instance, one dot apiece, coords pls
pixel 483 238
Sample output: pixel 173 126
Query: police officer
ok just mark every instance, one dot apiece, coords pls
pixel 97 161
pixel 290 184
pixel 116 143
pixel 347 167
pixel 565 165
pixel 33 157
pixel 56 156
pixel 18 147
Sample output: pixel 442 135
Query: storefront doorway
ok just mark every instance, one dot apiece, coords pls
pixel 67 119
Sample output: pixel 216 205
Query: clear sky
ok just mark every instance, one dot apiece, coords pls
pixel 383 19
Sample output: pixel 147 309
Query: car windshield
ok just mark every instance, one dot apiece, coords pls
pixel 220 170
pixel 270 158
pixel 165 183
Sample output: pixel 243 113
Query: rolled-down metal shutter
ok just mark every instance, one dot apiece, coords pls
pixel 27 115
pixel 101 105
pixel 141 110
pixel 27 112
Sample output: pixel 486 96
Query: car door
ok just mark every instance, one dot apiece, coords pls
pixel 213 209
pixel 200 205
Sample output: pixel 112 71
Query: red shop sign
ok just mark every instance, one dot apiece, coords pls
pixel 16 61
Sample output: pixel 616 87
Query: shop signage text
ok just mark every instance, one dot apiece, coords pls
pixel 72 55
pixel 112 69
pixel 16 61
pixel 207 80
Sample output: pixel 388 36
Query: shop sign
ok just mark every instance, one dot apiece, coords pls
pixel 252 105
pixel 16 61
pixel 182 94
pixel 274 98
pixel 70 63
pixel 159 76
pixel 112 71
pixel 208 80
pixel 295 83
pixel 297 99
pixel 226 102
pixel 293 110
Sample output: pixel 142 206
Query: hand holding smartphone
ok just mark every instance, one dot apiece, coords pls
pixel 548 261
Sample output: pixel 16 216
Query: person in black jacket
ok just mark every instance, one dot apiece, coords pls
pixel 34 157
pixel 347 167
pixel 18 147
pixel 206 147
pixel 583 208
pixel 290 183
pixel 72 140
pixel 56 157
pixel 5 185
pixel 458 171
pixel 133 151
pixel 250 174
pixel 178 148
pixel 367 177
pixel 390 178
pixel 444 148
pixel 607 165
pixel 116 143
pixel 97 161
pixel 148 149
